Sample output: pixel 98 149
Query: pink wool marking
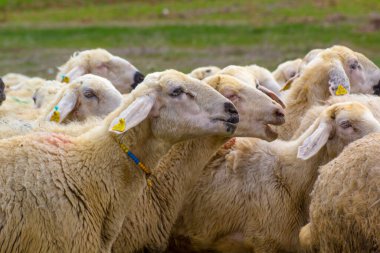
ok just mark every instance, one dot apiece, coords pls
pixel 57 139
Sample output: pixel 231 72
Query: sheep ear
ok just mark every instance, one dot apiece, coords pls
pixel 272 95
pixel 133 115
pixel 63 108
pixel 72 74
pixel 288 83
pixel 314 142
pixel 339 83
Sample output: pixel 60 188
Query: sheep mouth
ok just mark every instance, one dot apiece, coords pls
pixel 230 123
pixel 270 133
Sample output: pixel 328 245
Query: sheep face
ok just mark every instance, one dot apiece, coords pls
pixel 363 74
pixel 203 72
pixel 43 94
pixel 339 125
pixel 2 91
pixel 256 109
pixel 179 107
pixel 86 96
pixel 122 74
pixel 287 70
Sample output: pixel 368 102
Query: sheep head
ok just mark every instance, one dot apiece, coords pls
pixel 203 72
pixel 177 107
pixel 88 95
pixel 256 109
pixel 42 95
pixel 337 126
pixel 122 74
pixel 287 70
pixel 363 74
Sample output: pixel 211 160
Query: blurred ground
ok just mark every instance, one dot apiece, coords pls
pixel 38 35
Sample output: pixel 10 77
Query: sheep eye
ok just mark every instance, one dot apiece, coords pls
pixel 176 92
pixel 345 124
pixel 354 65
pixel 257 85
pixel 89 93
pixel 292 74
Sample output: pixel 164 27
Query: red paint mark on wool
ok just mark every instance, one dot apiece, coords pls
pixel 229 144
pixel 57 139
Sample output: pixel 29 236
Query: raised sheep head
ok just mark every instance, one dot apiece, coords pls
pixel 178 107
pixel 122 74
pixel 255 106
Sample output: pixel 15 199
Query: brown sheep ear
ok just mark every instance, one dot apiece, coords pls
pixel 339 83
pixel 315 141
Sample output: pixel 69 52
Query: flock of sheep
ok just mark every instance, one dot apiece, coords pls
pixel 238 159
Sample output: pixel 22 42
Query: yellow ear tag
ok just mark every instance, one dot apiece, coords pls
pixel 341 90
pixel 65 79
pixel 56 116
pixel 119 127
pixel 286 86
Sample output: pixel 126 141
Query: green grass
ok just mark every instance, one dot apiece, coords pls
pixel 36 35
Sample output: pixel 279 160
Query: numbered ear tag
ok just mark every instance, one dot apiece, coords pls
pixel 341 90
pixel 56 116
pixel 119 127
pixel 65 79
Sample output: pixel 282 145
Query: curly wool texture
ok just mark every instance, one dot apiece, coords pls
pixel 149 225
pixel 345 202
pixel 257 192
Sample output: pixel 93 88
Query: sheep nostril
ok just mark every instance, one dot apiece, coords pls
pixel 279 113
pixel 138 78
pixel 376 89
pixel 230 108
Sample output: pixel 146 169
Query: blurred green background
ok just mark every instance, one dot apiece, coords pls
pixel 38 35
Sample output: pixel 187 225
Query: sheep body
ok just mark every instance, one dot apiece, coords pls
pixel 345 204
pixel 88 181
pixel 260 190
pixel 150 222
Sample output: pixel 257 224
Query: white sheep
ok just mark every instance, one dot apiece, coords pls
pixel 345 202
pixel 12 79
pixel 329 74
pixel 247 75
pixel 122 74
pixel 203 72
pixel 45 94
pixel 87 95
pixel 65 194
pixel 370 101
pixel 260 190
pixel 363 74
pixel 287 70
pixel 265 78
pixel 150 222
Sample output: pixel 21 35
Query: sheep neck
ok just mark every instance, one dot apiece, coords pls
pixel 305 93
pixel 298 176
pixel 177 171
pixel 115 180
